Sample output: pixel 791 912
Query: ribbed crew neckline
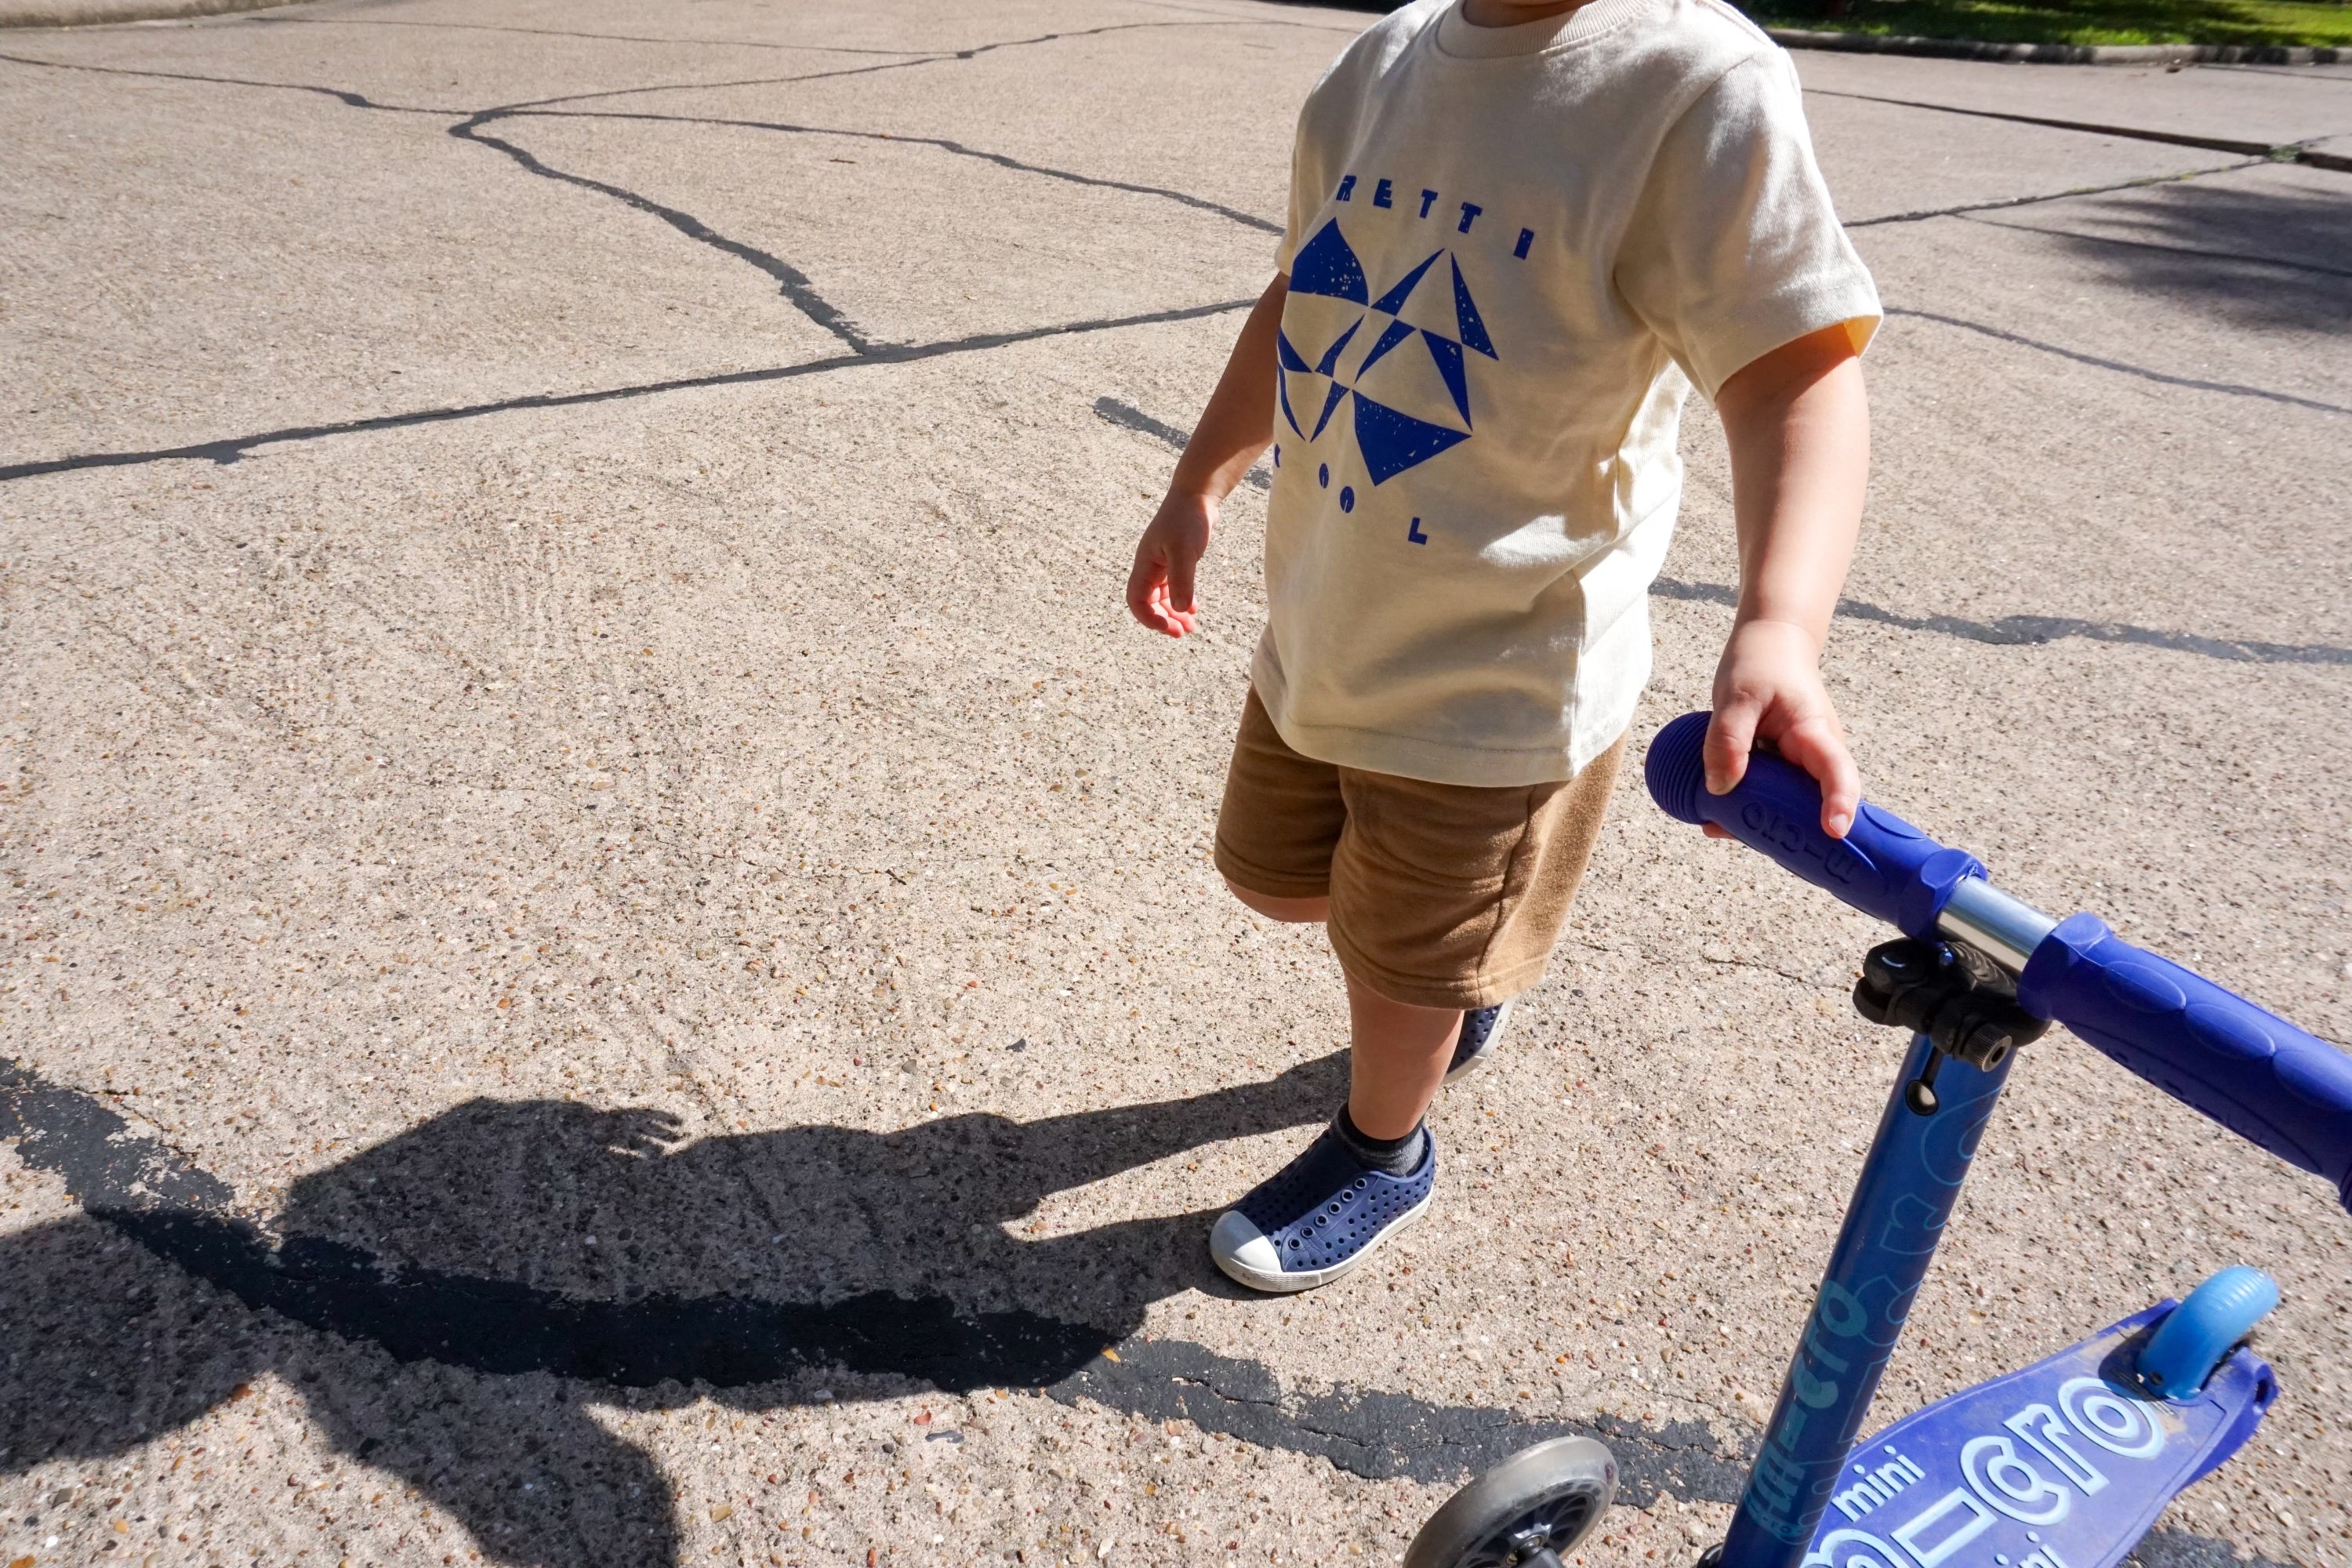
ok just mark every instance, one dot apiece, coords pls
pixel 1459 38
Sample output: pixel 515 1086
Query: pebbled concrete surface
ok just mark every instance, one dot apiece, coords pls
pixel 609 951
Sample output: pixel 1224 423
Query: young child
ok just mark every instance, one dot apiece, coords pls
pixel 1519 233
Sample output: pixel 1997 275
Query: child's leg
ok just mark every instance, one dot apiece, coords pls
pixel 1443 903
pixel 1398 1057
pixel 1398 1052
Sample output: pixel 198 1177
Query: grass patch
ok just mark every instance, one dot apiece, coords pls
pixel 2073 21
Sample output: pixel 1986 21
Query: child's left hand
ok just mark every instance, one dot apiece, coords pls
pixel 1769 691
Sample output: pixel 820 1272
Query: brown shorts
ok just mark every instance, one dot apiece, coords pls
pixel 1442 895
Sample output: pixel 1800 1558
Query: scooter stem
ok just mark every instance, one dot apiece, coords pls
pixel 1909 1182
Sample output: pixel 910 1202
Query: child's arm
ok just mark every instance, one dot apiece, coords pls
pixel 1799 427
pixel 1234 428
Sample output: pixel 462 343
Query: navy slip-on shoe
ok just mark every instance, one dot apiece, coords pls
pixel 1319 1217
pixel 1482 1030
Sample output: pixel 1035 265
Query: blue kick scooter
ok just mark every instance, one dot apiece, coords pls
pixel 2065 1463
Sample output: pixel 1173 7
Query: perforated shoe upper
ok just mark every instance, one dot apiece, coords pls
pixel 1325 1206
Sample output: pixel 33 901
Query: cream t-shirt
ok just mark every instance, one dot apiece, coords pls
pixel 1511 251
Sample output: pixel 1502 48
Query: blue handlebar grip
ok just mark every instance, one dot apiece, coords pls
pixel 2249 1070
pixel 1883 867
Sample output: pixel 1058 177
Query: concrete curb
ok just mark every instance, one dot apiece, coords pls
pixel 96 13
pixel 2062 54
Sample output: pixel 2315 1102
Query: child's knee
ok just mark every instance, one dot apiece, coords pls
pixel 1291 911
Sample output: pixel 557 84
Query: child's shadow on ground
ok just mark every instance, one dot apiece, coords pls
pixel 463 1249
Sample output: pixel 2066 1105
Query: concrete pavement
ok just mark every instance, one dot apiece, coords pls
pixel 611 955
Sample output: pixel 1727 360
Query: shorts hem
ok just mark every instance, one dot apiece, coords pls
pixel 1484 989
pixel 1264 883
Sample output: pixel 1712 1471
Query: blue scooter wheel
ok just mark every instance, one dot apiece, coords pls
pixel 2199 1334
pixel 1533 1507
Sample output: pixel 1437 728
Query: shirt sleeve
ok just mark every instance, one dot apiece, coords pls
pixel 1734 248
pixel 1306 189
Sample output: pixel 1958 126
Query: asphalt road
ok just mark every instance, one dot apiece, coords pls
pixel 610 954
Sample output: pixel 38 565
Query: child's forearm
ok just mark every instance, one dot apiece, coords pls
pixel 1238 424
pixel 1234 428
pixel 1799 427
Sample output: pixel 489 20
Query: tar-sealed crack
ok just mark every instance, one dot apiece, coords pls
pixel 919 59
pixel 2266 152
pixel 795 286
pixel 341 94
pixel 233 449
pixel 802 293
pixel 944 144
pixel 793 282
pixel 1998 204
pixel 279 20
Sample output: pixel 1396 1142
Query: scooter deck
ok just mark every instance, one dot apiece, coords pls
pixel 2063 1464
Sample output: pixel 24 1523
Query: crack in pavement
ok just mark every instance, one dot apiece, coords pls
pixel 230 449
pixel 719 86
pixel 959 149
pixel 1997 203
pixel 352 99
pixel 2009 631
pixel 2268 151
pixel 2226 388
pixel 1224 18
pixel 791 280
pixel 1257 21
pixel 2293 73
pixel 267 20
pixel 795 286
pixel 156 1196
pixel 930 58
pixel 801 292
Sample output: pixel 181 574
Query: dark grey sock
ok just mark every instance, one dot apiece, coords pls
pixel 1397 1156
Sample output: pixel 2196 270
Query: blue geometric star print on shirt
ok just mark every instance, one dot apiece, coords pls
pixel 1409 406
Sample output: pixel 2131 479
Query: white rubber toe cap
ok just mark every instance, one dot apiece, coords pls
pixel 1242 1251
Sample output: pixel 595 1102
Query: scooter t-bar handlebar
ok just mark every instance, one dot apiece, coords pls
pixel 2249 1070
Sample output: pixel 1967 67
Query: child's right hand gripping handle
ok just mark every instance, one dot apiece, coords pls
pixel 1883 867
pixel 2253 1072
